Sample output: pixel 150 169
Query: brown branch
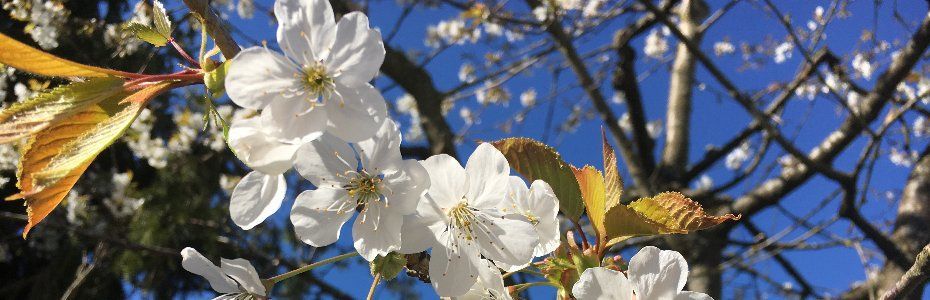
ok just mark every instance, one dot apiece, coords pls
pixel 916 276
pixel 215 27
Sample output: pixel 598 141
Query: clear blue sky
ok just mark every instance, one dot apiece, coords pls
pixel 716 118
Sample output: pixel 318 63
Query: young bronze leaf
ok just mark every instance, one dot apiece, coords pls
pixel 668 212
pixel 85 147
pixel 613 183
pixel 32 60
pixel 38 152
pixel 28 117
pixel 534 160
pixel 55 158
pixel 591 184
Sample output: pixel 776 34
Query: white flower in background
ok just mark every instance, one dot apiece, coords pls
pixel 452 32
pixel 807 91
pixel 624 122
pixel 492 93
pixel 541 13
pixel 653 274
pixel 569 4
pixel 921 127
pixel 704 183
pixel 234 278
pixel 380 185
pixel 724 47
pixel 245 9
pixel 591 8
pixel 9 158
pixel 654 128
pixel 738 156
pixel 321 85
pixel 539 205
pixel 407 104
pixel 22 92
pixel 460 218
pixel 528 97
pixel 901 158
pixel 862 66
pixel 783 52
pixel 656 45
pixel 493 29
pixel 467 73
pixel 466 115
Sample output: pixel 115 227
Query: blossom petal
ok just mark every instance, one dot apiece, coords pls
pixel 259 150
pixel 448 182
pixel 603 283
pixel 303 27
pixel 194 262
pixel 318 215
pixel 383 149
pixel 258 76
pixel 244 273
pixel 415 236
pixel 686 295
pixel 377 235
pixel 322 161
pixel 509 239
pixel 489 276
pixel 357 50
pixel 658 274
pixel 545 207
pixel 488 175
pixel 516 197
pixel 452 273
pixel 355 114
pixel 256 197
pixel 294 120
pixel 406 186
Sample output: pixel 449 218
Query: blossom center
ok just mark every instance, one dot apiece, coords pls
pixel 463 217
pixel 317 81
pixel 364 188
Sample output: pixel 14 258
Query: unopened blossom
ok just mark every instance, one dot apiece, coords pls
pixel 321 83
pixel 539 205
pixel 378 183
pixel 234 278
pixel 653 274
pixel 461 220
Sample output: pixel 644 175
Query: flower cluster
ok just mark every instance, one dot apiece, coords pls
pixel 316 112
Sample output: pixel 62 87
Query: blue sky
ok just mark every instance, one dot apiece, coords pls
pixel 715 119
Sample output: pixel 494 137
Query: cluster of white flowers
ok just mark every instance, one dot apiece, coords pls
pixel 454 31
pixel 528 97
pixel 902 158
pixel 143 144
pixel 408 105
pixel 125 41
pixel 46 19
pixel 724 47
pixel 318 114
pixel 863 67
pixel 493 93
pixel 656 43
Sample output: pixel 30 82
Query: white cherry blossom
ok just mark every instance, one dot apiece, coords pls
pixel 259 194
pixel 234 278
pixel 460 218
pixel 540 206
pixel 653 274
pixel 379 184
pixel 321 83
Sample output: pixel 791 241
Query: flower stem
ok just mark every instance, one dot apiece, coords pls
pixel 374 285
pixel 298 271
pixel 184 53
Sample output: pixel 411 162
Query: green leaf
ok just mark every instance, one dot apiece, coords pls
pixel 666 213
pixel 534 160
pixel 28 117
pixel 148 34
pixel 388 266
pixel 160 16
pixel 214 80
